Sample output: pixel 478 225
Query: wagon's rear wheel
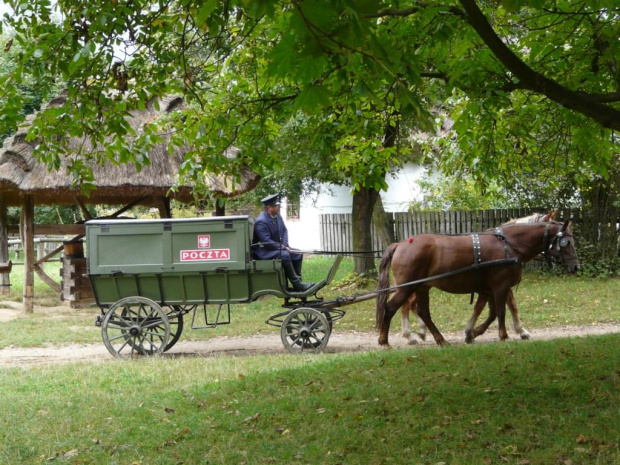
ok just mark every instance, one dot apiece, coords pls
pixel 175 316
pixel 305 330
pixel 135 326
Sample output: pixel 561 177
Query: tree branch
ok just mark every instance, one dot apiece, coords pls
pixel 580 102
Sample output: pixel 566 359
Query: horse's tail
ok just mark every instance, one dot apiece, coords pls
pixel 384 282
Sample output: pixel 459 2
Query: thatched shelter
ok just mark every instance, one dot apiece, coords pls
pixel 26 183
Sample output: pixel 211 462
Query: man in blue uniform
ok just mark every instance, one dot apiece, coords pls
pixel 270 242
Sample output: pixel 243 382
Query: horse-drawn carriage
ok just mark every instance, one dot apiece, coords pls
pixel 146 275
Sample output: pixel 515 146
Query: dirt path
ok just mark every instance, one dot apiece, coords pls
pixel 267 344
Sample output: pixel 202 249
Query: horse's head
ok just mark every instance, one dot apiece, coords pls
pixel 562 247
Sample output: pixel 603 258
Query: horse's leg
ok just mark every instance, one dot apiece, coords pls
pixel 411 306
pixel 406 326
pixel 481 328
pixel 422 327
pixel 500 309
pixel 425 314
pixel 512 306
pixel 469 329
pixel 389 310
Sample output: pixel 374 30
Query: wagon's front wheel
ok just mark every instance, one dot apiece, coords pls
pixel 305 330
pixel 135 326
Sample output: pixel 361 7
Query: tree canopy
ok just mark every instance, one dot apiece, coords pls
pixel 515 74
pixel 331 89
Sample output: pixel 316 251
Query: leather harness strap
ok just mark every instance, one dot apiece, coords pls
pixel 499 233
pixel 477 249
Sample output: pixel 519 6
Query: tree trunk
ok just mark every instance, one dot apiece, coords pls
pixel 364 201
pixel 363 204
pixel 384 227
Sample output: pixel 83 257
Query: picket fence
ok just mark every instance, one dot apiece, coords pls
pixel 336 229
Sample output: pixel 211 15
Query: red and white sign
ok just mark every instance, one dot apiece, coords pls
pixel 205 255
pixel 204 241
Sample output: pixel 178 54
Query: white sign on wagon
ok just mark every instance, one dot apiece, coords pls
pixel 205 255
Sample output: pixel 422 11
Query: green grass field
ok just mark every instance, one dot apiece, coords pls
pixel 540 402
pixel 536 403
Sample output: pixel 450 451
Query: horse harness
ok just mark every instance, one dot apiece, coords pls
pixel 475 238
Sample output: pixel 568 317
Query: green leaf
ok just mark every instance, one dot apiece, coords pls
pixel 312 98
pixel 282 58
pixel 205 11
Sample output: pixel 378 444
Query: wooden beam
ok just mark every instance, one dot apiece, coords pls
pixel 85 213
pixel 26 223
pixel 128 206
pixel 5 278
pixel 54 229
pixel 46 279
pixel 163 205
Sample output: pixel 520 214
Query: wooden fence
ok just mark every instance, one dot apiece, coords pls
pixel 336 229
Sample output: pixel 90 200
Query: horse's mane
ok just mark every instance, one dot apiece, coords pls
pixel 535 218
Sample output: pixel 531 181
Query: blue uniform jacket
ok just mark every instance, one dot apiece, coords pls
pixel 269 238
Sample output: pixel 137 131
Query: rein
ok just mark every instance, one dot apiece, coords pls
pixel 501 261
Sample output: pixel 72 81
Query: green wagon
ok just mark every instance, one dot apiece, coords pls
pixel 147 275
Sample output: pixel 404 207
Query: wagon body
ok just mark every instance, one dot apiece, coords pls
pixel 178 261
pixel 147 274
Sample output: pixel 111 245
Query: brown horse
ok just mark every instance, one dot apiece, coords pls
pixel 488 263
pixel 470 332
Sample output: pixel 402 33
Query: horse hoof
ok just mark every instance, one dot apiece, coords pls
pixel 525 336
pixel 443 343
pixel 412 341
pixel 469 337
pixel 422 336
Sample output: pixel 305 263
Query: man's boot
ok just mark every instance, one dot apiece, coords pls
pixel 289 271
pixel 297 267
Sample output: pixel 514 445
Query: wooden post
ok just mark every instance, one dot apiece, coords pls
pixel 26 223
pixel 5 278
pixel 163 205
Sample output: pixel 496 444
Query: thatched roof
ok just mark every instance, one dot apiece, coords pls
pixel 116 184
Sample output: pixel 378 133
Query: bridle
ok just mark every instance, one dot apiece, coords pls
pixel 556 244
pixel 552 246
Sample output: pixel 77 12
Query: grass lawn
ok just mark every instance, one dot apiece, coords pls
pixel 542 402
pixel 545 402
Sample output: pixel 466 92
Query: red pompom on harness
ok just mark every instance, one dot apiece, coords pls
pixel 411 239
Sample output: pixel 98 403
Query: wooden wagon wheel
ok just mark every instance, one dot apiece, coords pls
pixel 135 326
pixel 175 316
pixel 305 330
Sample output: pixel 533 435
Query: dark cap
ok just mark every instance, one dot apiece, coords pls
pixel 271 200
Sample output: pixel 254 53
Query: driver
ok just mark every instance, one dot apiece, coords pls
pixel 270 242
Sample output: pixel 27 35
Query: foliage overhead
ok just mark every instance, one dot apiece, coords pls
pixel 529 83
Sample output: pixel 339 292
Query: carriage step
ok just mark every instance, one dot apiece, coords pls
pixel 206 319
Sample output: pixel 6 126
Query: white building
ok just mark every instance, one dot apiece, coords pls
pixel 304 231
